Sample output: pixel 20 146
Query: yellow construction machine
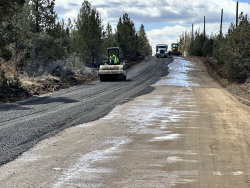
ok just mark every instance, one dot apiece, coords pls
pixel 113 69
pixel 175 49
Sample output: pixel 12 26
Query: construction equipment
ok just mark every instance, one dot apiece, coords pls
pixel 175 49
pixel 111 71
pixel 161 50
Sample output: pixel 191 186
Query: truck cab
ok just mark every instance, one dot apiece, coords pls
pixel 161 50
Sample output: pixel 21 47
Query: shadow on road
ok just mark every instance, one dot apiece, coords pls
pixel 47 99
pixel 37 101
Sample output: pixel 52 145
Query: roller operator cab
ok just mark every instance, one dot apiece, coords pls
pixel 161 50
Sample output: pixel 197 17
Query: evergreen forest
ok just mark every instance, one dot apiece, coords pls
pixel 230 50
pixel 33 39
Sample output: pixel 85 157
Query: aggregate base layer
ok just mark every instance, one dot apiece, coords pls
pixel 188 132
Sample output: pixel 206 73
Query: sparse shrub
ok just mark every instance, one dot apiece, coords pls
pixel 71 61
pixel 17 82
pixel 6 54
pixel 248 80
pixel 4 80
pixel 11 82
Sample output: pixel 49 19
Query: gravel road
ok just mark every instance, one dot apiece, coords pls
pixel 187 132
pixel 24 124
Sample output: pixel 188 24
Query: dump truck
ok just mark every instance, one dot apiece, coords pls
pixel 161 50
pixel 111 70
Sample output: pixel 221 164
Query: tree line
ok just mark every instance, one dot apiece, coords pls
pixel 231 50
pixel 31 35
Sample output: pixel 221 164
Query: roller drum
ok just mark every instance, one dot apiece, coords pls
pixel 111 67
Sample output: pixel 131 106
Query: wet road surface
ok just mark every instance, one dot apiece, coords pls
pixel 188 132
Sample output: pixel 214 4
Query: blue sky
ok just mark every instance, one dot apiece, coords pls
pixel 164 22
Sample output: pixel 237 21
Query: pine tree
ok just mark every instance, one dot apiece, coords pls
pixel 22 33
pixel 144 48
pixel 126 37
pixel 89 26
pixel 8 9
pixel 109 37
pixel 43 15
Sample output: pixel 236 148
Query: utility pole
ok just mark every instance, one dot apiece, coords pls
pixel 204 30
pixel 237 4
pixel 221 23
pixel 185 36
pixel 192 31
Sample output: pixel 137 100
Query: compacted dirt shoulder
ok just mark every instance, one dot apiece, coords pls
pixel 240 91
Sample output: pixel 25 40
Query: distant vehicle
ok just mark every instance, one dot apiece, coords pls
pixel 161 50
pixel 175 49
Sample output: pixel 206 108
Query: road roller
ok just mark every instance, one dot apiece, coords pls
pixel 114 68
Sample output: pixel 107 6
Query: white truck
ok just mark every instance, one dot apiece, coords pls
pixel 161 50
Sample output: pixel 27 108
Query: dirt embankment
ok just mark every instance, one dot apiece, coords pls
pixel 241 91
pixel 34 87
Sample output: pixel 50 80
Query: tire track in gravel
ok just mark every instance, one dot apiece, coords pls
pixel 24 124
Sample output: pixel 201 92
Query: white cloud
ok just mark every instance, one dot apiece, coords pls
pixel 166 35
pixel 183 12
pixel 165 12
pixel 170 34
